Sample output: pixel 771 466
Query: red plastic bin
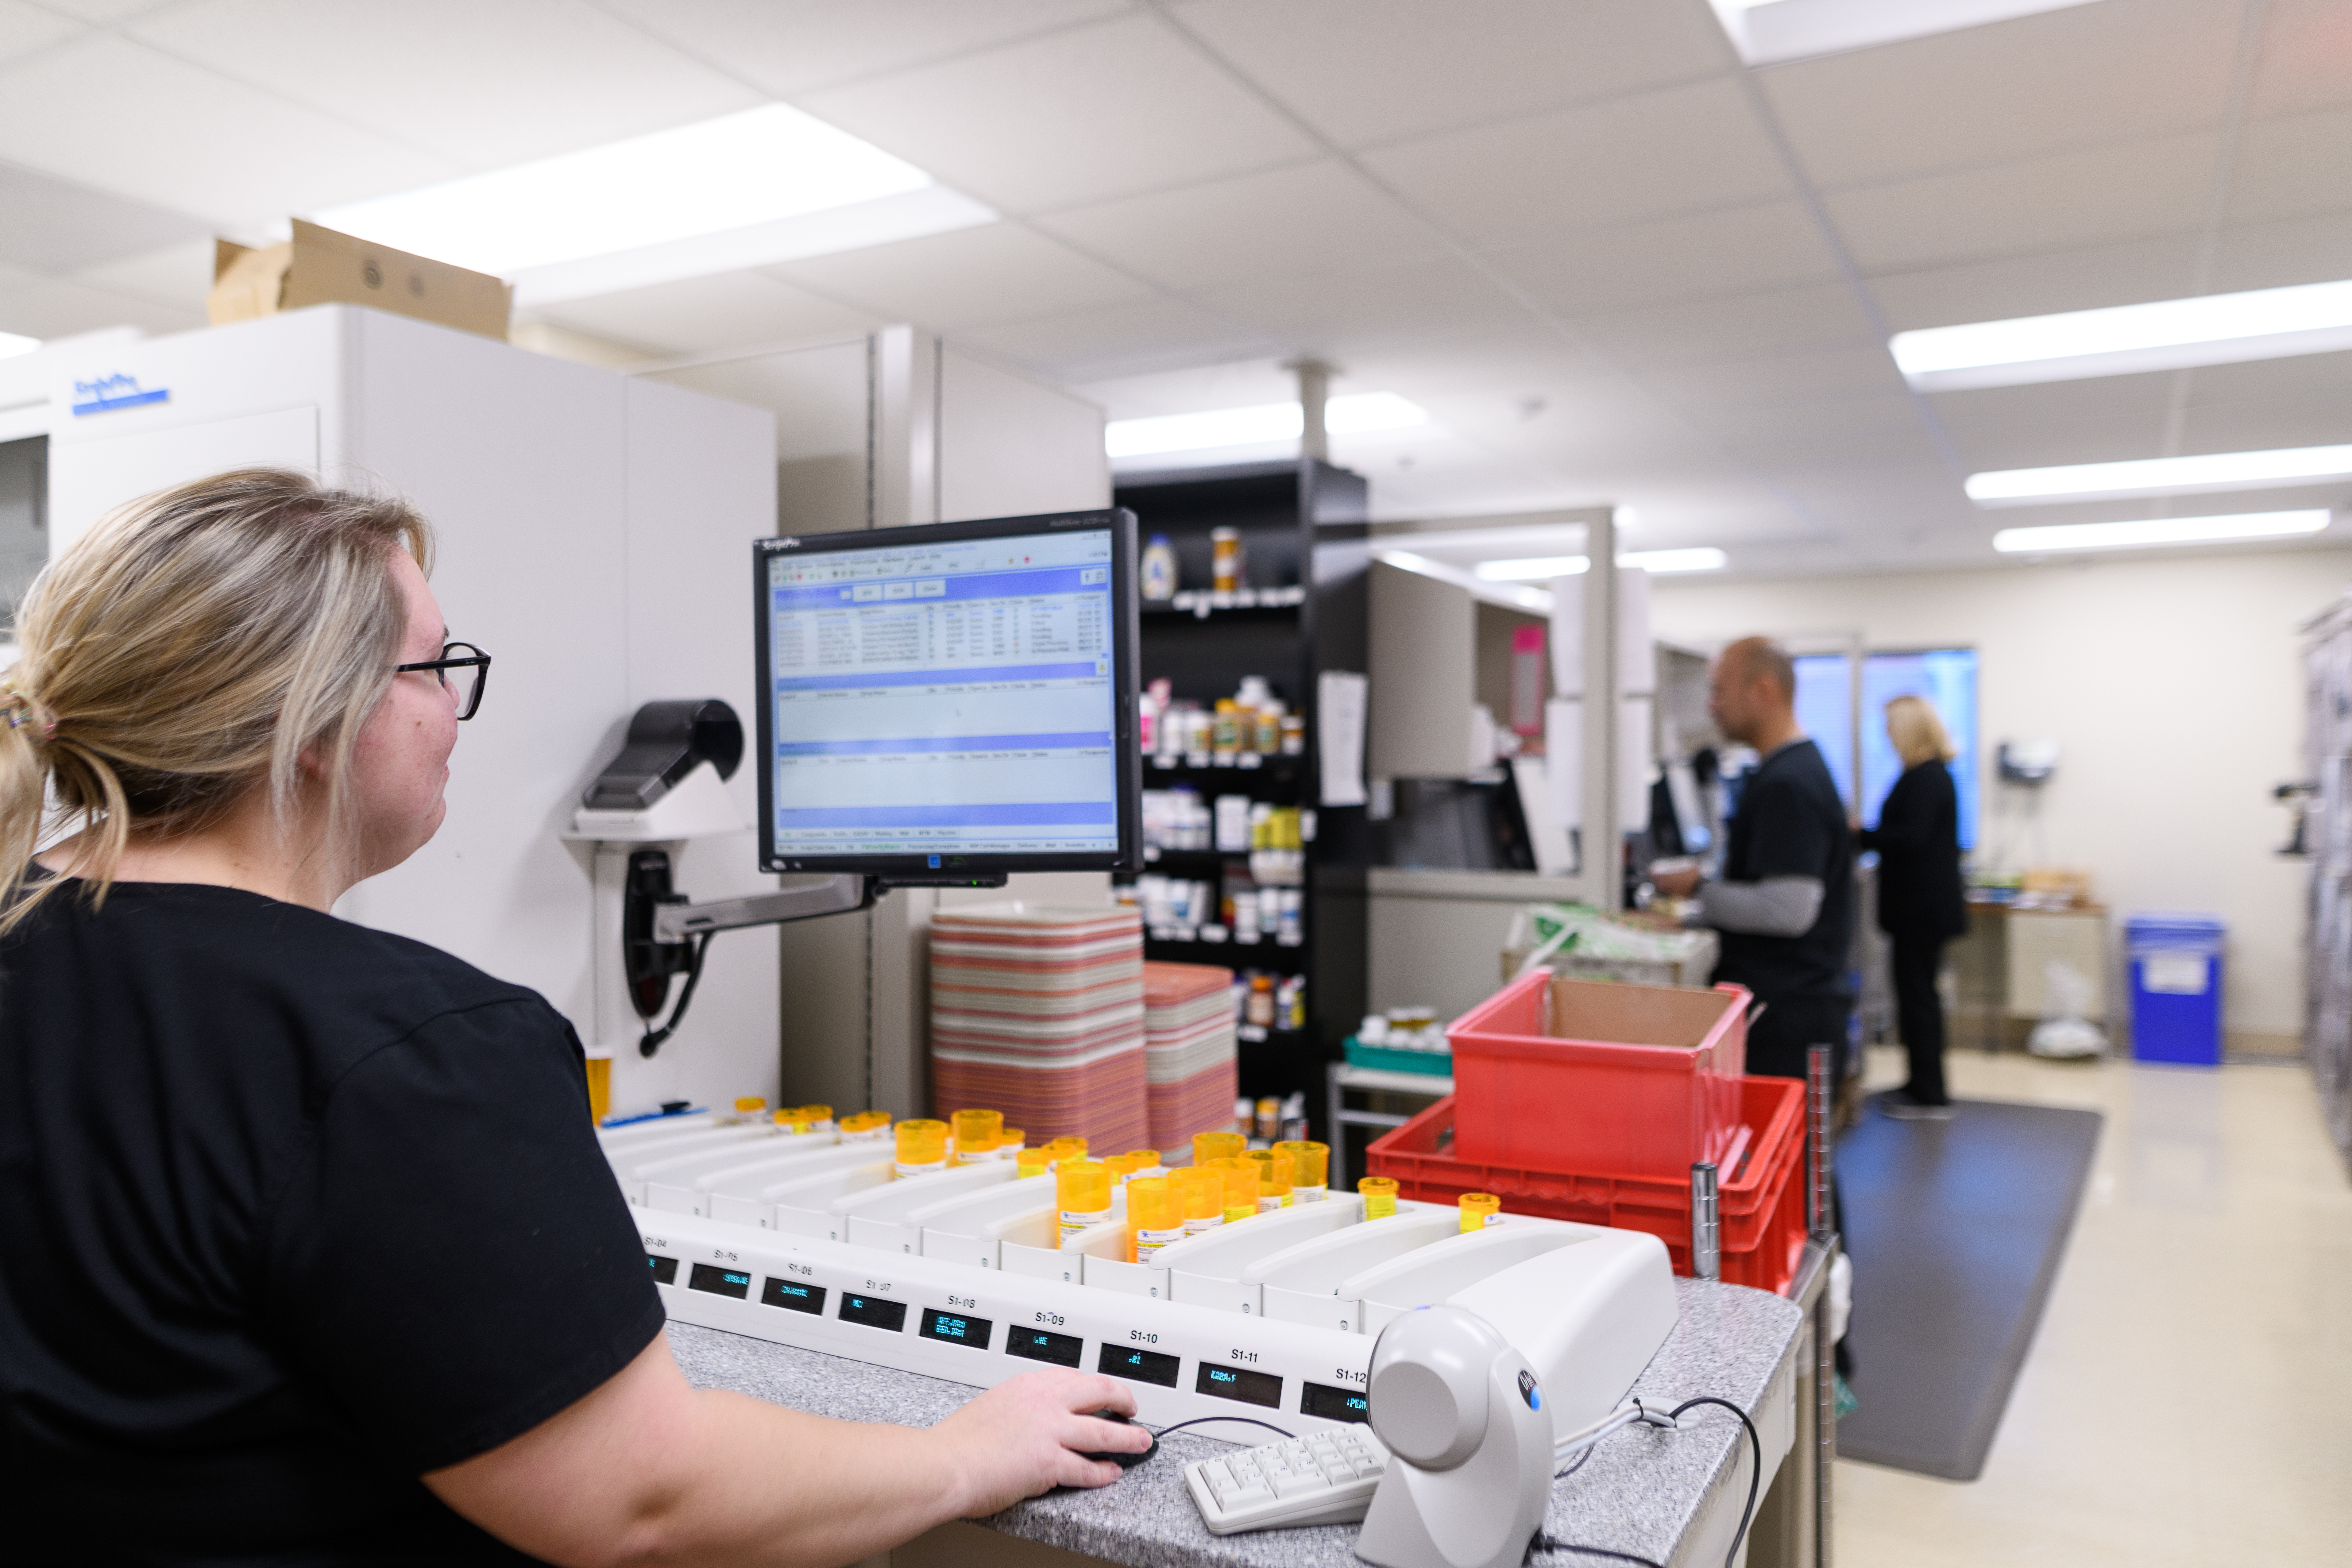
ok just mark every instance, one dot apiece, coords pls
pixel 1562 1074
pixel 1760 1202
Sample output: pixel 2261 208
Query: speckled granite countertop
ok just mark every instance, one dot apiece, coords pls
pixel 1638 1492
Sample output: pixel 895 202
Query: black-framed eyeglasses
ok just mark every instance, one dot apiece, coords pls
pixel 463 671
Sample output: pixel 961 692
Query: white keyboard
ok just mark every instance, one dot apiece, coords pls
pixel 1325 1478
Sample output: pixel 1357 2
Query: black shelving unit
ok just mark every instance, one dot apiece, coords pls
pixel 1303 524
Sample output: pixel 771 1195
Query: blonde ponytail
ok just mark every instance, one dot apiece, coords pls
pixel 187 650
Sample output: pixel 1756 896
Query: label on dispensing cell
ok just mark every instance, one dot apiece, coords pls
pixel 1378 1205
pixel 1236 1211
pixel 1272 1201
pixel 1195 1227
pixel 1077 1220
pixel 1310 1194
pixel 1148 1242
pixel 903 1171
pixel 866 1134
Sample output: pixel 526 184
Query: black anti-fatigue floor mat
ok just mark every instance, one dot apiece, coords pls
pixel 1955 1228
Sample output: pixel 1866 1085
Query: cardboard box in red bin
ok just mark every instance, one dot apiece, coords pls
pixel 1761 1197
pixel 1553 1073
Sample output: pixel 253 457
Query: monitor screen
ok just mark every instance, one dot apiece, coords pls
pixel 954 699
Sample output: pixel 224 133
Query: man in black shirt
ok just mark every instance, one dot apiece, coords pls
pixel 1784 903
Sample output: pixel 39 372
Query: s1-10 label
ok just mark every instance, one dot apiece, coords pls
pixel 1139 1367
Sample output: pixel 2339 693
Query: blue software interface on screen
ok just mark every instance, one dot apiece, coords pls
pixel 954 698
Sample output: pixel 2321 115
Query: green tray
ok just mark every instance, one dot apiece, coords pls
pixel 1387 1058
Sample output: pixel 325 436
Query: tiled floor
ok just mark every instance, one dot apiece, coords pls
pixel 2189 1396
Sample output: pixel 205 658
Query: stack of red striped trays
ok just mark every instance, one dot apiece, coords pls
pixel 1037 1012
pixel 1188 1052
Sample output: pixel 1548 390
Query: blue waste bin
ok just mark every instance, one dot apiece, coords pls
pixel 2175 962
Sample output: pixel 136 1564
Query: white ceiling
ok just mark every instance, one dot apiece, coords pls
pixel 1614 265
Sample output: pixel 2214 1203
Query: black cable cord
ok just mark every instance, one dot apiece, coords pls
pixel 1756 1474
pixel 1204 1420
pixel 1580 1459
pixel 654 1038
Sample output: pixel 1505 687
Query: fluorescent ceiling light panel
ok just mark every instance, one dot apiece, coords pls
pixel 15 344
pixel 750 189
pixel 1358 413
pixel 2126 340
pixel 2158 531
pixel 1768 31
pixel 1541 567
pixel 2162 476
pixel 1535 599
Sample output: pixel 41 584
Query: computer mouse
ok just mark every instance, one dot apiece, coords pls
pixel 1124 1462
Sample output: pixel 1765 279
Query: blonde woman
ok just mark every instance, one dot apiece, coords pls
pixel 307 1250
pixel 1920 904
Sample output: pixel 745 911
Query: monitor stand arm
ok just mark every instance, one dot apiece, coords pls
pixel 676 921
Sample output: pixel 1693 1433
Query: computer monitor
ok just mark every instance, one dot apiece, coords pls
pixel 950 701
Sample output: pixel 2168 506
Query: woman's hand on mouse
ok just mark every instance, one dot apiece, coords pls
pixel 1029 1434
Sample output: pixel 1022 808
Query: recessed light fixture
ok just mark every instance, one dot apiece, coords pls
pixel 1541 567
pixel 1766 31
pixel 1358 413
pixel 2158 531
pixel 2128 339
pixel 750 189
pixel 2162 476
pixel 15 344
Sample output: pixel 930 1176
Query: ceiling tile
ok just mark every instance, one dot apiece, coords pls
pixel 2303 402
pixel 704 314
pixel 790 47
pixel 1677 150
pixel 24 29
pixel 1230 383
pixel 2106 419
pixel 531 78
pixel 2298 250
pixel 188 141
pixel 2291 168
pixel 1735 250
pixel 1330 312
pixel 1128 339
pixel 50 225
pixel 2306 60
pixel 1861 433
pixel 2085 76
pixel 1309 217
pixel 103 12
pixel 2041 283
pixel 2091 198
pixel 57 308
pixel 970 278
pixel 1375 71
pixel 1752 326
pixel 1078 116
pixel 178 275
pixel 1823 376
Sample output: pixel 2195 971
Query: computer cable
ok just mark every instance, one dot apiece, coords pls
pixel 1747 1514
pixel 1244 1420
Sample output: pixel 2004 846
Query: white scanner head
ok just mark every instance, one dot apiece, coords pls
pixel 1430 1384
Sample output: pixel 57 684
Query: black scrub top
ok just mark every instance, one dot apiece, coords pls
pixel 1791 823
pixel 291 1211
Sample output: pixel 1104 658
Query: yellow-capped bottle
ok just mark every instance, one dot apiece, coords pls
pixel 866 1127
pixel 1273 1178
pixel 922 1147
pixel 1380 1196
pixel 975 1135
pixel 1143 1163
pixel 748 1106
pixel 1241 1186
pixel 1310 1166
pixel 801 1121
pixel 1010 1143
pixel 1082 1192
pixel 1480 1210
pixel 1155 1216
pixel 1033 1162
pixel 1203 1188
pixel 1062 1149
pixel 1208 1146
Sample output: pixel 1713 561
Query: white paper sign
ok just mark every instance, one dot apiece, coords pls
pixel 1340 699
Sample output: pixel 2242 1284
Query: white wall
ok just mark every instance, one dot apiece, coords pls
pixel 2174 688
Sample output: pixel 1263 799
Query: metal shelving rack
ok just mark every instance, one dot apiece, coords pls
pixel 1305 528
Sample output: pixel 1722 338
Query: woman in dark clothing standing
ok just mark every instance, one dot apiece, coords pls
pixel 1920 905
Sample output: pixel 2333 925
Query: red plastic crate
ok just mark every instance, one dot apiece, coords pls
pixel 1600 1075
pixel 1760 1204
